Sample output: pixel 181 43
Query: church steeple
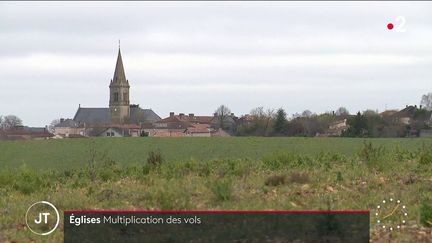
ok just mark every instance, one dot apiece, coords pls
pixel 119 73
pixel 119 93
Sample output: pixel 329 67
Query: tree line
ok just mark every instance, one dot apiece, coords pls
pixel 274 122
pixel 10 121
pixel 369 123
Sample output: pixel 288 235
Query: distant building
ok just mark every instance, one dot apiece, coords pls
pixel 406 115
pixel 182 121
pixel 120 111
pixel 199 130
pixel 168 133
pixel 68 127
pixel 196 126
pixel 335 129
pixel 124 119
pixel 25 133
pixel 388 113
pixel 412 121
pixel 113 132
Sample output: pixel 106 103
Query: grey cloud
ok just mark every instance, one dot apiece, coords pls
pixel 296 55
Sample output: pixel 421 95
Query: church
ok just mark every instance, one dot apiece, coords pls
pixel 122 118
pixel 120 111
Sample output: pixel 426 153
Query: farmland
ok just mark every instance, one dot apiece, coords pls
pixel 74 153
pixel 216 173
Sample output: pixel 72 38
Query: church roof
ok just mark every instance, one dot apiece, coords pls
pixel 93 115
pixel 139 115
pixel 103 115
pixel 119 73
pixel 409 111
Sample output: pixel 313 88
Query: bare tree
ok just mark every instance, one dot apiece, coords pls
pixel 1 122
pixel 342 111
pixel 307 113
pixel 222 112
pixel 10 121
pixel 258 112
pixel 426 101
pixel 370 113
pixel 296 115
pixel 270 115
pixel 52 125
pixel 260 123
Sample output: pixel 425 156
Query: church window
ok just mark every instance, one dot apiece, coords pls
pixel 116 96
pixel 125 96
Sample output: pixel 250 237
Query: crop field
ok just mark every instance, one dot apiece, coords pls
pixel 217 173
pixel 75 153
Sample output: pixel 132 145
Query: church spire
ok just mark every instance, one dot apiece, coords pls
pixel 119 73
pixel 119 94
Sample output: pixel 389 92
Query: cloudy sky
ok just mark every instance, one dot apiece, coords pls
pixel 191 57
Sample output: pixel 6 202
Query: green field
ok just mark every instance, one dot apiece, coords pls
pixel 74 153
pixel 216 173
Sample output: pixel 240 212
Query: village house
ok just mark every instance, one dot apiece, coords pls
pixel 112 130
pixel 336 128
pixel 69 128
pixel 25 133
pixel 405 116
pixel 193 125
pixel 198 130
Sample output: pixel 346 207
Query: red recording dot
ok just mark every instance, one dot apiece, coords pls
pixel 390 26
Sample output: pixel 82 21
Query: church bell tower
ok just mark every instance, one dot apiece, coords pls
pixel 119 94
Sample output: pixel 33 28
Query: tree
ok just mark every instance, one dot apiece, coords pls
pixel 357 126
pixel 259 123
pixel 10 121
pixel 426 101
pixel 342 111
pixel 269 116
pixel 258 112
pixel 369 113
pixel 307 113
pixel 281 122
pixel 375 123
pixel 295 127
pixel 222 112
pixel 311 126
pixel 52 125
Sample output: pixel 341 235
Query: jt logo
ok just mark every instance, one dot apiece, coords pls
pixel 38 221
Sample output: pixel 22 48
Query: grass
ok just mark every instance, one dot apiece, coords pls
pixel 426 213
pixel 74 153
pixel 225 173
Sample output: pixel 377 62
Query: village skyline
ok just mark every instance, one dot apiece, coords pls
pixel 193 57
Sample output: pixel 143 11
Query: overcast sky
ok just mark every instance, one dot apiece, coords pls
pixel 191 57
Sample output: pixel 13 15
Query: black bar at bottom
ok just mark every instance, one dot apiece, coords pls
pixel 216 226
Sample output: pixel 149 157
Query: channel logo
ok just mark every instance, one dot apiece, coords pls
pixel 42 218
